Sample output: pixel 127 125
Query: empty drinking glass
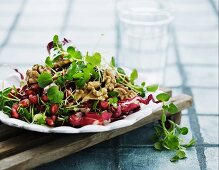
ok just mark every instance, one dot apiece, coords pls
pixel 143 36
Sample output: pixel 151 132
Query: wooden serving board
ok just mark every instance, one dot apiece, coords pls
pixel 21 149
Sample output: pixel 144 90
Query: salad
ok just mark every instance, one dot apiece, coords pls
pixel 75 90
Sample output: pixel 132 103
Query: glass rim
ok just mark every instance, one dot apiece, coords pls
pixel 123 13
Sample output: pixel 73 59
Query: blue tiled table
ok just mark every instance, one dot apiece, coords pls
pixel 27 25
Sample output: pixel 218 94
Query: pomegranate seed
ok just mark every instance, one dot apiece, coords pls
pixel 15 106
pixel 24 103
pixel 33 99
pixel 106 115
pixel 103 105
pixel 54 108
pixel 14 112
pixel 29 92
pixel 50 122
pixel 45 98
pixel 41 108
pixel 35 87
pixel 117 111
pixel 76 120
pixel 54 117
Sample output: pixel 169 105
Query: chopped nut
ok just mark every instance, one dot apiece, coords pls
pixel 109 79
pixel 124 92
pixel 33 74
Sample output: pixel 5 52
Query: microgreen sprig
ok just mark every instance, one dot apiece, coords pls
pixel 170 139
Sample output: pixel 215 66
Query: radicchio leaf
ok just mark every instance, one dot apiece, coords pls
pixel 50 44
pixel 21 75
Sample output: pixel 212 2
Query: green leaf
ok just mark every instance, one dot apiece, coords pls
pixel 191 143
pixel 113 101
pixel 44 79
pixel 113 94
pixel 78 75
pixel 181 154
pixel 60 81
pixel 133 76
pixel 184 130
pixel 86 74
pixel 165 107
pixel 152 88
pixel 158 145
pixel 163 97
pixel 80 83
pixel 113 62
pixel 49 62
pixel 6 109
pixel 55 40
pixel 171 142
pixel 94 60
pixel 39 119
pixel 71 71
pixel 174 158
pixel 172 108
pixel 71 50
pixel 54 95
pixel 120 70
pixel 163 117
pixel 26 115
pixel 143 84
pixel 94 106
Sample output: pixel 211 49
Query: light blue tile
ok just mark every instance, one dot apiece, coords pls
pixel 206 100
pixel 201 76
pixel 199 55
pixel 209 128
pixel 212 158
pixel 148 158
pixel 89 159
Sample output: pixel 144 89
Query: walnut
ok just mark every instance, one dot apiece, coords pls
pixel 124 92
pixel 90 92
pixel 109 79
pixel 33 74
pixel 79 94
pixel 62 63
pixel 93 85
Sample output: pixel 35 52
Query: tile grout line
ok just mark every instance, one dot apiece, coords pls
pixel 193 119
pixel 66 17
pixel 12 27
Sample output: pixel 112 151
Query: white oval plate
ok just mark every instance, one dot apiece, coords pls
pixel 127 121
